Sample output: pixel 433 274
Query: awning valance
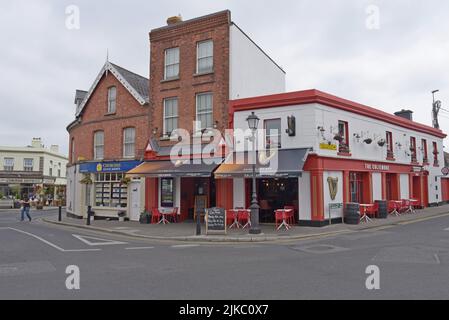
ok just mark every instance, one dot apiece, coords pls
pixel 274 163
pixel 178 168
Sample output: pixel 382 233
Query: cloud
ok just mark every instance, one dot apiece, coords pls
pixel 321 44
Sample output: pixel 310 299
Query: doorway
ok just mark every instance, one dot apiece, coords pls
pixel 192 187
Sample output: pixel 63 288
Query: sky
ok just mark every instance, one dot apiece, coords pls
pixel 388 54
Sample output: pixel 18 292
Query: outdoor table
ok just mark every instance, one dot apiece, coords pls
pixel 236 221
pixel 284 218
pixel 249 218
pixel 164 212
pixel 363 208
pixel 413 203
pixel 398 207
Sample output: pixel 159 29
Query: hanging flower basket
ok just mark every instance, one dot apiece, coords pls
pixel 86 180
pixel 338 137
pixel 368 141
pixel 381 143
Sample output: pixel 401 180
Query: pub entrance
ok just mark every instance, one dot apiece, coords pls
pixel 272 194
pixel 193 187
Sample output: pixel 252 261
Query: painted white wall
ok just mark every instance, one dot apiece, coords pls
pixel 252 72
pixel 305 210
pixel 339 196
pixel 404 181
pixel 377 186
pixel 239 192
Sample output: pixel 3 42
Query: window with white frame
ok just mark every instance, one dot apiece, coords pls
pixel 205 56
pixel 99 145
pixel 272 133
pixel 112 99
pixel 109 190
pixel 28 164
pixel 129 139
pixel 170 115
pixel 8 164
pixel 204 111
pixel 171 63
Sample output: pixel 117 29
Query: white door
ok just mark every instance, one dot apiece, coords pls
pixel 135 201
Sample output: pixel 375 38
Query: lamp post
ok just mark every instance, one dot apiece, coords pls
pixel 253 122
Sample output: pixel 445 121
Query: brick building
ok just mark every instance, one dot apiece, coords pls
pixel 107 138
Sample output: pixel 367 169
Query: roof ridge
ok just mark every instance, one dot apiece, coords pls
pixel 117 66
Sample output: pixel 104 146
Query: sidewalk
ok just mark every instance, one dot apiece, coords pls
pixel 186 231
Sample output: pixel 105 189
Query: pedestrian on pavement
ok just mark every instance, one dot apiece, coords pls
pixel 25 208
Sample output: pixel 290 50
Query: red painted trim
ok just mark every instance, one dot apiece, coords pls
pixel 151 193
pixel 317 195
pixel 315 96
pixel 224 193
pixel 384 185
pixel 344 154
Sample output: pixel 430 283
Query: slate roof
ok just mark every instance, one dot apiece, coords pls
pixel 139 83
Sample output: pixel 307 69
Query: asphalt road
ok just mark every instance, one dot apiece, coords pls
pixel 413 261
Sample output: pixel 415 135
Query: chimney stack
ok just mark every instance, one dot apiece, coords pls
pixel 174 20
pixel 407 114
pixel 37 143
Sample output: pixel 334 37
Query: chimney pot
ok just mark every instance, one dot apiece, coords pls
pixel 406 114
pixel 174 20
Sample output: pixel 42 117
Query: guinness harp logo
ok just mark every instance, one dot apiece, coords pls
pixel 333 187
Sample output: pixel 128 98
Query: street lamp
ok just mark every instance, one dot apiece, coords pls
pixel 253 122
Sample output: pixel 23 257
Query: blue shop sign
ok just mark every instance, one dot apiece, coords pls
pixel 115 166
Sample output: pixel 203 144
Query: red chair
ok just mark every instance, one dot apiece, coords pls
pixel 392 207
pixel 173 215
pixel 156 216
pixel 372 211
pixel 278 218
pixel 230 216
pixel 243 218
pixel 290 215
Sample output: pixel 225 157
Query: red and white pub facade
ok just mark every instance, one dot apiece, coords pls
pixel 355 154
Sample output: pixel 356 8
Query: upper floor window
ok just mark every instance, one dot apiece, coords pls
pixel 99 145
pixel 112 99
pixel 59 173
pixel 343 133
pixel 204 111
pixel 72 156
pixel 425 158
pixel 272 133
pixel 205 56
pixel 129 138
pixel 170 115
pixel 413 149
pixel 390 153
pixel 435 154
pixel 28 164
pixel 8 164
pixel 171 69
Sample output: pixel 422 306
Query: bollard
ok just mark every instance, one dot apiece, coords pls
pixel 89 208
pixel 60 213
pixel 198 224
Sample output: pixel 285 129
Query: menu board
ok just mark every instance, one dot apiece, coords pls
pixel 216 220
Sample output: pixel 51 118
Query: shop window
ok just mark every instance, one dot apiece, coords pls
pixel 356 187
pixel 167 192
pixel 272 134
pixel 112 99
pixel 204 111
pixel 413 149
pixel 170 115
pixel 109 191
pixel 8 164
pixel 343 137
pixel 171 63
pixel 28 164
pixel 435 154
pixel 390 153
pixel 425 159
pixel 205 56
pixel 99 145
pixel 129 139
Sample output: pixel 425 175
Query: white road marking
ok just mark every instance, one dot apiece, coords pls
pixel 102 242
pixel 447 229
pixel 180 246
pixel 49 243
pixel 139 248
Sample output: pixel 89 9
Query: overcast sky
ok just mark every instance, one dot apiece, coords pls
pixel 320 44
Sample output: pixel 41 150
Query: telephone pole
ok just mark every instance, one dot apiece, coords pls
pixel 436 106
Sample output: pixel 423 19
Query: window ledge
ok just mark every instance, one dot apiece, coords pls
pixel 425 163
pixel 391 159
pixel 414 163
pixel 344 154
pixel 170 79
pixel 110 114
pixel 205 73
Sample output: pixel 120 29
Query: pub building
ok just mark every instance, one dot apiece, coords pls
pixel 317 153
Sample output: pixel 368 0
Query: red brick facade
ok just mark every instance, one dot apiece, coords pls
pixel 129 113
pixel 186 35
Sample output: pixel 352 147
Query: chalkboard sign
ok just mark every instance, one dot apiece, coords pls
pixel 216 220
pixel 200 205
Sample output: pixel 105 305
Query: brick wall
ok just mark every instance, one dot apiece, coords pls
pixel 129 113
pixel 185 36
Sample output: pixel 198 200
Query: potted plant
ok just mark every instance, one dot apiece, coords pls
pixel 381 142
pixel 145 217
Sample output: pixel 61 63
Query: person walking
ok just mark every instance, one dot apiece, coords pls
pixel 25 208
